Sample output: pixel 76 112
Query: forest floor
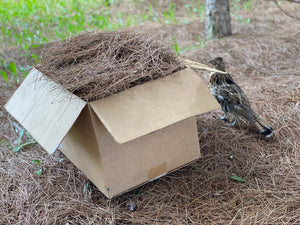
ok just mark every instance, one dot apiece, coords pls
pixel 263 56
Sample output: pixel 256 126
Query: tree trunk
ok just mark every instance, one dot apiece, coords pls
pixel 218 22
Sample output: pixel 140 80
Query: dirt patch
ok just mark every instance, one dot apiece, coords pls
pixel 263 57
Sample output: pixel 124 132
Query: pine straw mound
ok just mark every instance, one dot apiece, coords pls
pixel 95 65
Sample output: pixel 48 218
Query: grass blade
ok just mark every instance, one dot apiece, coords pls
pixel 12 68
pixel 36 161
pixel 39 172
pixel 236 178
pixel 4 75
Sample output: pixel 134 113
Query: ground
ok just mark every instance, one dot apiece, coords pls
pixel 263 57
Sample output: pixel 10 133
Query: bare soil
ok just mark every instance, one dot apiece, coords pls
pixel 263 57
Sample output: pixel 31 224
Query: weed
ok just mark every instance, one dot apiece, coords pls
pixel 170 14
pixel 11 73
pixel 4 76
pixel 39 171
pixel 195 10
pixel 176 46
pixel 241 19
pixel 61 159
pixel 9 69
pixel 6 143
pixel 247 5
pixel 200 44
pixel 202 12
pixel 236 178
pixel 36 161
pixel 20 145
pixel 35 58
pixel 86 186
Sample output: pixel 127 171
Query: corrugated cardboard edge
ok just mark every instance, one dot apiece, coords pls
pixel 44 109
pixel 80 145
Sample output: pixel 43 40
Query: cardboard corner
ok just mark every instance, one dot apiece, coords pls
pixel 44 109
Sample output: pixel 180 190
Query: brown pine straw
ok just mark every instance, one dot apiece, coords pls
pixel 94 65
pixel 98 64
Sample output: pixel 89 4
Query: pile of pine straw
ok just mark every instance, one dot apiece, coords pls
pixel 94 65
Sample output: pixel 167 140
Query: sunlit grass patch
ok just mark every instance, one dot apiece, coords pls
pixel 30 22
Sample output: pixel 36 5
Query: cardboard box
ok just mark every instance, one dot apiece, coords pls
pixel 121 141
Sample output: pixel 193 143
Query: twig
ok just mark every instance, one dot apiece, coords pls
pixel 200 66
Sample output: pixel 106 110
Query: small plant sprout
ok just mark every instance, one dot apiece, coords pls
pixel 20 145
pixel 176 46
pixel 6 143
pixel 170 14
pixel 11 73
pixel 39 171
pixel 36 161
pixel 85 187
pixel 4 76
pixel 237 178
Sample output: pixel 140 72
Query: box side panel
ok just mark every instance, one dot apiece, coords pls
pixel 80 146
pixel 154 105
pixel 191 162
pixel 131 164
pixel 44 109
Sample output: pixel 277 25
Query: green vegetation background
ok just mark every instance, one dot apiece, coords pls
pixel 28 24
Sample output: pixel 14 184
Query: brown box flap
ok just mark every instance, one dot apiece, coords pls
pixel 154 105
pixel 44 109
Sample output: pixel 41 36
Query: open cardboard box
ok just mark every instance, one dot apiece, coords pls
pixel 123 140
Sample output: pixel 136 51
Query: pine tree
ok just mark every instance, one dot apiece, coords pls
pixel 218 23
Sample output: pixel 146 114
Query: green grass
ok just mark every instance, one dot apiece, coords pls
pixel 39 171
pixel 237 4
pixel 20 144
pixel 28 24
pixel 11 73
pixel 236 7
pixel 196 10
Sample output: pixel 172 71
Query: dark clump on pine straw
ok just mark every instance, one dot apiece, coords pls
pixel 95 65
